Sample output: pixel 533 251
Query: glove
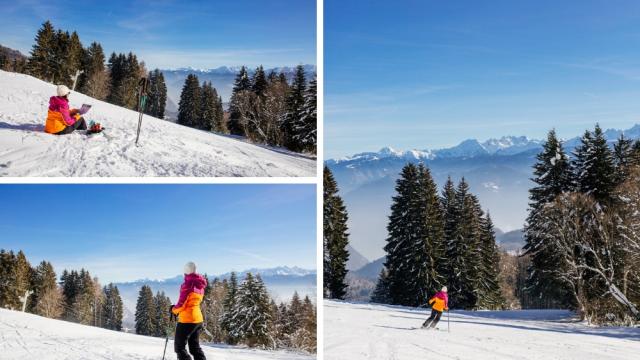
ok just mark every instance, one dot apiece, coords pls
pixel 171 310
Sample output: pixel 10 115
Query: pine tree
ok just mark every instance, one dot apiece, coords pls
pixel 242 84
pixel 294 111
pixel 157 95
pixel 228 320
pixel 112 308
pixel 253 313
pixel 43 280
pixel 8 292
pixel 74 57
pixel 401 229
pixel 490 296
pixel 305 130
pixel 462 253
pixel 335 239
pixel 622 153
pixel 381 294
pixel 208 111
pixel 62 68
pixel 23 274
pixel 552 176
pixel 190 102
pixel 94 81
pixel 219 125
pixel 259 81
pixel 145 312
pixel 594 166
pixel 162 323
pixel 43 57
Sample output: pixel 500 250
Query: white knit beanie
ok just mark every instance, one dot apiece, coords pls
pixel 63 90
pixel 189 268
pixel 444 289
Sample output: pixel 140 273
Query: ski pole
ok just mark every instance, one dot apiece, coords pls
pixel 143 83
pixel 448 322
pixel 166 341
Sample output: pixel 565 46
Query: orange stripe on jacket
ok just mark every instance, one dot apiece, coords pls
pixel 438 304
pixel 189 312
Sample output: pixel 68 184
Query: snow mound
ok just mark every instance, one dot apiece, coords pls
pixel 367 331
pixel 165 148
pixel 28 336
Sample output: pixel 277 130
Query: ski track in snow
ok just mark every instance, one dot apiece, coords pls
pixel 166 149
pixel 27 336
pixel 369 331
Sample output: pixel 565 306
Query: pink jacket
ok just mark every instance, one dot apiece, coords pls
pixel 61 105
pixel 193 283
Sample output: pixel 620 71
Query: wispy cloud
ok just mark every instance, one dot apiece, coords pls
pixel 612 66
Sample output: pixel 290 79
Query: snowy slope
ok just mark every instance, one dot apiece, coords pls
pixel 366 331
pixel 166 149
pixel 27 336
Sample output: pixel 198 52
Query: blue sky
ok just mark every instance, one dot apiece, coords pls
pixel 429 74
pixel 128 232
pixel 176 33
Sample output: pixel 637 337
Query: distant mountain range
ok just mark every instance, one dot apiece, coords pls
pixel 222 79
pixel 498 171
pixel 280 281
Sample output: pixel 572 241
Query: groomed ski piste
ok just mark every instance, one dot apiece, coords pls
pixel 165 148
pixel 28 336
pixel 370 331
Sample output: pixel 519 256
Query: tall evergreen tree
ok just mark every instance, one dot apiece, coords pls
pixel 335 239
pixel 242 84
pixel 145 312
pixel 259 81
pixel 94 81
pixel 208 110
pixel 305 129
pixel 227 319
pixel 157 98
pixel 43 55
pixel 253 313
pixel 294 111
pixel 622 156
pixel 112 308
pixel 594 166
pixel 43 281
pixel 190 102
pixel 462 250
pixel 553 177
pixel 490 295
pixel 162 323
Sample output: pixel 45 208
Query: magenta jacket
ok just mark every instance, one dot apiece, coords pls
pixel 61 105
pixel 193 283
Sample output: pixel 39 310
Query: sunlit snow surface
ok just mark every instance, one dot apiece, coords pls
pixel 165 148
pixel 27 336
pixel 367 331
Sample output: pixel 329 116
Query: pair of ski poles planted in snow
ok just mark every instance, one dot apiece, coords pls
pixel 143 85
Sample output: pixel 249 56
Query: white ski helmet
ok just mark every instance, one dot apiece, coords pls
pixel 444 289
pixel 62 90
pixel 189 268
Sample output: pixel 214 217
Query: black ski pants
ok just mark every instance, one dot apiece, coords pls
pixel 188 334
pixel 433 319
pixel 80 124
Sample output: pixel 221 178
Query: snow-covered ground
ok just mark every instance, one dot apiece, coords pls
pixel 28 336
pixel 366 331
pixel 165 148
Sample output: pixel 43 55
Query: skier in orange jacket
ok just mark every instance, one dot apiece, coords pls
pixel 439 302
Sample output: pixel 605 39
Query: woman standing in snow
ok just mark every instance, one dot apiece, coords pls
pixel 189 314
pixel 439 302
pixel 61 120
